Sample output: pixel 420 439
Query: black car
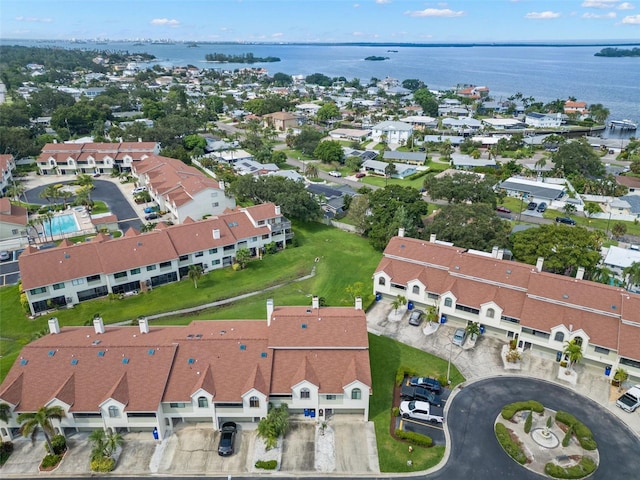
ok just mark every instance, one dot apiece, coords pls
pixel 431 384
pixel 532 206
pixel 542 207
pixel 565 220
pixel 416 318
pixel 151 216
pixel 422 394
pixel 227 438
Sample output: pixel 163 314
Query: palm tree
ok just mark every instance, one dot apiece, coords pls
pixel 620 376
pixel 432 314
pixel 473 329
pixel 84 180
pixel 105 444
pixel 5 412
pixel 243 256
pixel 32 422
pixel 113 441
pixel 398 302
pixel 632 274
pixel 15 190
pixel 47 217
pixel 602 275
pixel 195 272
pixel 573 350
pixel 311 171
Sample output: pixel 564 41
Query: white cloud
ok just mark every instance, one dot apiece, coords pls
pixel 599 3
pixel 34 19
pixel 631 20
pixel 435 12
pixel 542 15
pixel 380 2
pixel 356 5
pixel 165 22
pixel 626 6
pixel 277 35
pixel 595 15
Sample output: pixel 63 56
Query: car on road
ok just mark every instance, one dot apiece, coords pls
pixel 151 216
pixel 630 401
pixel 565 220
pixel 138 190
pixel 335 173
pixel 532 206
pixel 227 439
pixel 431 384
pixel 416 318
pixel 419 411
pixel 541 207
pixel 5 256
pixel 502 209
pixel 459 337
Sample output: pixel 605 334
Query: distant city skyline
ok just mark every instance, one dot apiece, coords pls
pixel 330 21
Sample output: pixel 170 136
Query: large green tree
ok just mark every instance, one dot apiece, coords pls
pixel 427 101
pixel 563 248
pixel 307 140
pixel 578 157
pixel 329 151
pixel 328 112
pixel 461 188
pixel 32 422
pixel 470 226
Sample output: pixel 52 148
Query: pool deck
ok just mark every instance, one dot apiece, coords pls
pixel 83 220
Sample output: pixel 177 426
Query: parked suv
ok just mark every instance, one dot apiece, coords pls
pixel 565 220
pixel 542 207
pixel 532 206
pixel 426 382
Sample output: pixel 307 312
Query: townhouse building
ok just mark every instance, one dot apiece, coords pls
pixel 90 158
pixel 513 300
pixel 13 221
pixel 7 165
pixel 72 273
pixel 182 190
pixel 543 120
pixel 147 378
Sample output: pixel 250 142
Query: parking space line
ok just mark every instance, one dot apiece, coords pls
pixel 424 424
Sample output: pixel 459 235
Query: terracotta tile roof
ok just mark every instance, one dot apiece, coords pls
pixel 631 182
pixel 14 214
pixel 5 161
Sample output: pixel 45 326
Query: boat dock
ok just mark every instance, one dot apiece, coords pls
pixel 623 125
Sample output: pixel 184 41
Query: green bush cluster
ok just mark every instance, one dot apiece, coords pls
pixel 6 449
pixel 59 444
pixel 50 461
pixel 508 411
pixel 395 412
pixel 567 437
pixel 267 464
pixel 586 466
pixel 513 449
pixel 415 438
pixel 404 371
pixel 581 431
pixel 528 422
pixel 102 464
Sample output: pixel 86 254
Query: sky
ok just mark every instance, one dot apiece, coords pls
pixel 399 21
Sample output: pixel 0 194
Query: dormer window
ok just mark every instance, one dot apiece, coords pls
pixel 114 412
pixel 203 402
pixel 305 393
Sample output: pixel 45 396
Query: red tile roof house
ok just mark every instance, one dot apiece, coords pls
pixel 315 359
pixel 70 274
pixel 13 221
pixel 75 158
pixel 180 189
pixel 515 300
pixel 7 165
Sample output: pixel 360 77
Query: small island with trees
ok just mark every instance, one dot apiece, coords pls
pixel 618 52
pixel 243 58
pixel 375 58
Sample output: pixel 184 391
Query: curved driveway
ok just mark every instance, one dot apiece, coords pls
pixel 476 454
pixel 105 191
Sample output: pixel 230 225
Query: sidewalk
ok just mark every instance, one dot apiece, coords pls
pixel 484 360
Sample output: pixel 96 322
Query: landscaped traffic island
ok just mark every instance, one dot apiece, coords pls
pixel 555 444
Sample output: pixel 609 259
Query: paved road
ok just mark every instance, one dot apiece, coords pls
pixel 104 191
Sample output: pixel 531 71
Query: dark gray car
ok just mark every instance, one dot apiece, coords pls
pixel 416 318
pixel 227 439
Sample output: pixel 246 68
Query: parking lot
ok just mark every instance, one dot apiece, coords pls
pixel 9 270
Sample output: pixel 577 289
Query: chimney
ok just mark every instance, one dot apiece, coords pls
pixel 54 326
pixel 269 310
pixel 401 232
pixel 580 273
pixel 500 254
pixel 98 325
pixel 315 302
pixel 216 234
pixel 432 238
pixel 278 210
pixel 539 264
pixel 494 252
pixel 358 303
pixel 143 323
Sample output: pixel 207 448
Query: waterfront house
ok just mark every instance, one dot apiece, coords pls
pixel 391 132
pixel 543 120
pixel 149 378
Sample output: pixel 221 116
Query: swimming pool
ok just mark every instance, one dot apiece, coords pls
pixel 61 224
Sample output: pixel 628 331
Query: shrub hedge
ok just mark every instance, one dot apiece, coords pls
pixel 102 464
pixel 512 448
pixel 6 449
pixel 581 431
pixel 267 464
pixel 508 411
pixel 59 444
pixel 415 438
pixel 528 422
pixel 50 461
pixel 586 466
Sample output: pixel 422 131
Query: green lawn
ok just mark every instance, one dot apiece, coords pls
pixel 387 356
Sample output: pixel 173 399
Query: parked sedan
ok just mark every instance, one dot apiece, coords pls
pixel 565 220
pixel 416 318
pixel 227 439
pixel 429 383
pixel 4 256
pixel 459 337
pixel 502 209
pixel 542 207
pixel 532 206
pixel 151 216
pixel 335 173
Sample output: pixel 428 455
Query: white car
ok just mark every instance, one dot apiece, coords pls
pixel 419 411
pixel 335 173
pixel 138 190
pixel 630 400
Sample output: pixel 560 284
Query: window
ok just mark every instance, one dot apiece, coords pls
pixel 165 264
pixel 215 204
pixel 215 262
pixel 14 231
pixel 177 405
pixel 114 412
pixel 203 402
pixel 305 393
pixel 134 271
pixel 93 278
pixel 77 281
pixel 433 296
pixel 36 291
pixel 491 313
pixel 356 394
pixel 416 289
pixel 536 333
pixel 463 308
pixel 578 340
pixel 228 248
pixel 120 275
pixel 604 351
pixel 559 337
pixel 58 286
pixel 213 251
pixel 448 302
pixel 150 267
pixel 254 402
pixel 509 319
pixel 331 397
pixel 382 281
pixel 199 254
pixel 182 258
